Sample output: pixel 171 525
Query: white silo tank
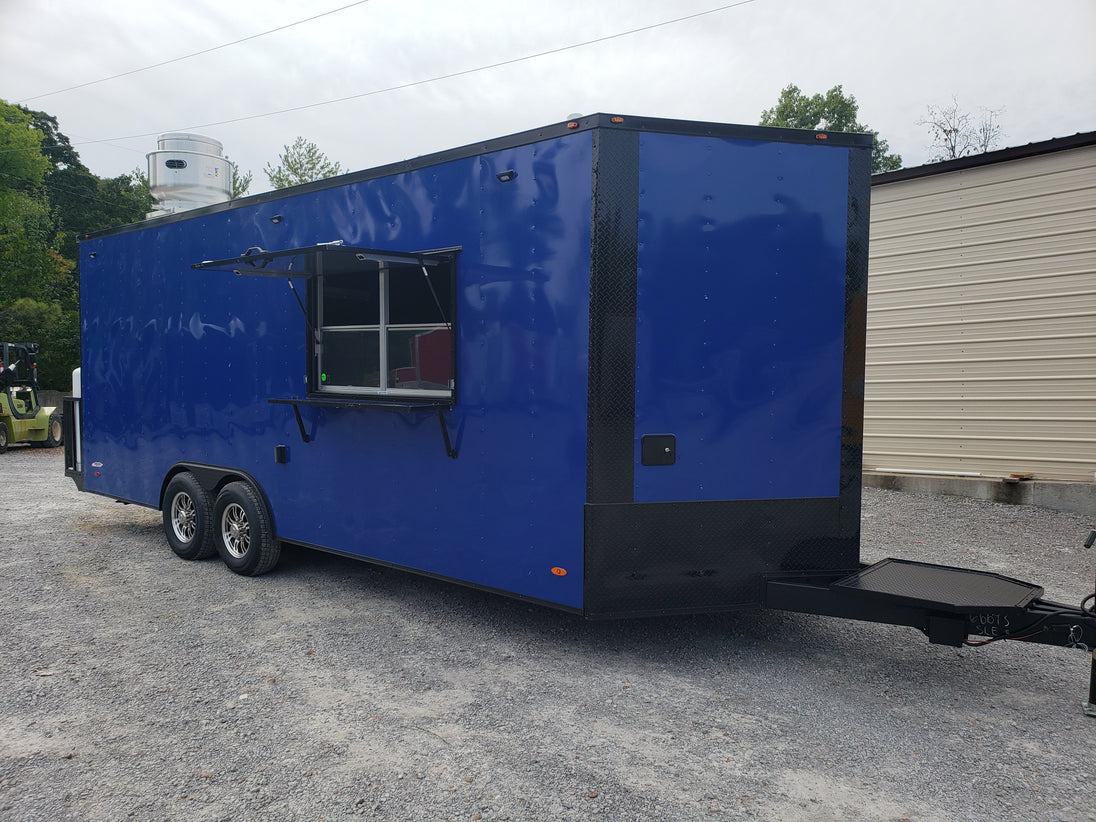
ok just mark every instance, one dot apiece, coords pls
pixel 187 171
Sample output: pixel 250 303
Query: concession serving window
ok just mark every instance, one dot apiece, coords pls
pixel 379 323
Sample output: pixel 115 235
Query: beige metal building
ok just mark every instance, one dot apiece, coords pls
pixel 981 344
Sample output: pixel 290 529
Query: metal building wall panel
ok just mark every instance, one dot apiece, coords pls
pixel 974 349
pixel 1055 429
pixel 981 225
pixel 936 408
pixel 1066 326
pixel 985 305
pixel 975 462
pixel 981 347
pixel 927 277
pixel 1019 287
pixel 904 220
pixel 1066 366
pixel 976 251
pixel 1019 181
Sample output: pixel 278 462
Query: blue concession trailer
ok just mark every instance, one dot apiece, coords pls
pixel 614 366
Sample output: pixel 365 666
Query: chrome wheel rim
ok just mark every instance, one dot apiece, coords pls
pixel 235 530
pixel 184 517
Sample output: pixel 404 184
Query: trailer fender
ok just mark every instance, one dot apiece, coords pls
pixel 213 479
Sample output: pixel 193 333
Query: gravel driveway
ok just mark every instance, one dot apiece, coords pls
pixel 139 686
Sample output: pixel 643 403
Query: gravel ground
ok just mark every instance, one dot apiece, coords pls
pixel 138 686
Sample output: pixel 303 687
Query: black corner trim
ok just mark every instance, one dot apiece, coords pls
pixel 610 457
pixel 856 307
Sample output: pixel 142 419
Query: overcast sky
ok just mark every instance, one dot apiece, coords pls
pixel 1034 61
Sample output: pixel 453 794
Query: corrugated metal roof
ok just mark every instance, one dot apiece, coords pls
pixel 1079 140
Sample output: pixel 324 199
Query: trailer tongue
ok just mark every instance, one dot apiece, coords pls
pixel 952 606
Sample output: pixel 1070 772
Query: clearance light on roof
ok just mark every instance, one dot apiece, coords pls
pixel 572 124
pixel 821 136
pixel 617 120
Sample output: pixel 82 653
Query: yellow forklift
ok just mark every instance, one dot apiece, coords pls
pixel 22 416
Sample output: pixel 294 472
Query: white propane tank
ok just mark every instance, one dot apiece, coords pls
pixel 187 171
pixel 77 444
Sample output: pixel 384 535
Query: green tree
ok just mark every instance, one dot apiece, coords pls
pixel 302 162
pixel 241 183
pixel 81 202
pixel 25 225
pixel 26 262
pixel 832 111
pixel 48 198
pixel 55 146
pixel 22 165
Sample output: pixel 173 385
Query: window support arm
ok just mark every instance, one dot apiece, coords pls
pixel 304 311
pixel 450 451
pixel 300 425
pixel 434 294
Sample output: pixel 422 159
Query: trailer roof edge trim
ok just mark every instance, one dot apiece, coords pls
pixel 834 139
pixel 1003 155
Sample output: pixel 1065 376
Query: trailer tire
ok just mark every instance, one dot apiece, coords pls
pixel 243 531
pixel 188 518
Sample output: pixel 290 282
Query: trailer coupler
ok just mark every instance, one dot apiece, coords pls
pixel 952 606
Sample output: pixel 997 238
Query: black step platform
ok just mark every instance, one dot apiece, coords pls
pixel 938 587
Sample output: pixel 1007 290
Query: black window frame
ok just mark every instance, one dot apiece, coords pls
pixel 441 303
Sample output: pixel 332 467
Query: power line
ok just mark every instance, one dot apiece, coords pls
pixel 415 83
pixel 438 78
pixel 193 54
pixel 71 191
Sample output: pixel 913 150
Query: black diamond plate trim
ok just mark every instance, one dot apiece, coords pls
pixel 695 557
pixel 610 457
pixel 856 309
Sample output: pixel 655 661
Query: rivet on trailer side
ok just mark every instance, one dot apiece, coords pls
pixel 613 366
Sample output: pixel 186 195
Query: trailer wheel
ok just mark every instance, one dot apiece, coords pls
pixel 243 530
pixel 188 518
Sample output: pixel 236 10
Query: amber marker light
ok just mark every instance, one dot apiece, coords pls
pixel 559 572
pixel 821 136
pixel 617 120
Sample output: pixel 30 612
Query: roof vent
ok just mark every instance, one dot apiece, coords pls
pixel 187 171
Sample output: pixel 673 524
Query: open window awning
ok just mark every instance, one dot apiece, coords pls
pixel 317 260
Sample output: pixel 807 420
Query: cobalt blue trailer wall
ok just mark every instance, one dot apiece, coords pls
pixel 179 366
pixel 726 439
pixel 657 379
